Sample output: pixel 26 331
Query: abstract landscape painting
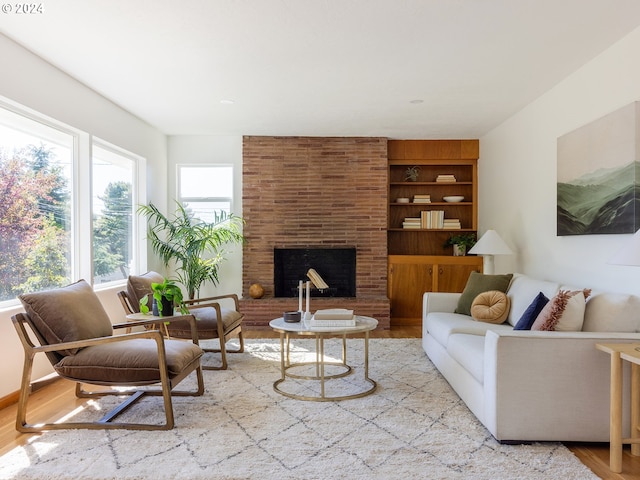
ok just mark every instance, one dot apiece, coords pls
pixel 598 176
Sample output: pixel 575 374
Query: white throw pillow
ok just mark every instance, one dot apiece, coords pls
pixel 612 312
pixel 523 290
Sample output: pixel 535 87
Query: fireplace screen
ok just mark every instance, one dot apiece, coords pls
pixel 336 266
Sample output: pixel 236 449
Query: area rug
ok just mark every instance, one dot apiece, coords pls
pixel 412 427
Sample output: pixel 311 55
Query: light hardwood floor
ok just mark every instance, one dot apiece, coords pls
pixel 58 395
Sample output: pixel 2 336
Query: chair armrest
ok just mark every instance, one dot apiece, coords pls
pixel 55 347
pixel 232 296
pixel 153 320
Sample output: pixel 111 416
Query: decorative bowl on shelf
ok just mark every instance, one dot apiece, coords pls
pixel 453 198
pixel 402 200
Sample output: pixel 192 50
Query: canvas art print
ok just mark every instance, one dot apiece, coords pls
pixel 598 173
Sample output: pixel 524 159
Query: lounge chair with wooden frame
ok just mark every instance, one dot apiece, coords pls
pixel 216 317
pixel 73 330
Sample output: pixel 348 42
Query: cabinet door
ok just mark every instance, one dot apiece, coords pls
pixel 453 278
pixel 407 283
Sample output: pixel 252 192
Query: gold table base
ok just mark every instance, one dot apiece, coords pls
pixel 320 364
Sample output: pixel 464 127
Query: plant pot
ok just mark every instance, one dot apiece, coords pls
pixel 459 250
pixel 167 308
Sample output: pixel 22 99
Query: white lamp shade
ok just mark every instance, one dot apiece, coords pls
pixel 491 244
pixel 629 254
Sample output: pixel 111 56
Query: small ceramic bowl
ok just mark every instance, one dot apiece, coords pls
pixel 453 198
pixel 291 317
pixel 402 200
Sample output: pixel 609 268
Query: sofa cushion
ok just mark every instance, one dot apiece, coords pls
pixel 67 314
pixel 523 290
pixel 531 313
pixel 468 351
pixel 564 312
pixel 490 307
pixel 612 312
pixel 441 325
pixel 478 283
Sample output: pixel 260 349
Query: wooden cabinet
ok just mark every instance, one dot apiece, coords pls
pixel 419 259
pixel 410 276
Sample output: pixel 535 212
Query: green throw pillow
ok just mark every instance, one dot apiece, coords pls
pixel 479 283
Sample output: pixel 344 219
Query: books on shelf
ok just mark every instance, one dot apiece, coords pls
pixel 422 199
pixel 432 219
pixel 446 178
pixel 452 224
pixel 411 222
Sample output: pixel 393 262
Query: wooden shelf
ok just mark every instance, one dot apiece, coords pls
pixel 433 158
pixel 420 260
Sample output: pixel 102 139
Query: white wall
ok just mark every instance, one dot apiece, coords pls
pixel 202 149
pixel 33 83
pixel 517 169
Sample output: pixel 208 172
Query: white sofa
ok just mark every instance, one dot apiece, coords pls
pixel 529 385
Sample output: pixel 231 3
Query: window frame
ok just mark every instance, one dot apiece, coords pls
pixel 182 199
pixel 81 185
pixel 139 250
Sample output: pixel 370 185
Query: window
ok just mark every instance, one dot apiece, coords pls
pixel 113 213
pixel 36 163
pixel 67 206
pixel 206 189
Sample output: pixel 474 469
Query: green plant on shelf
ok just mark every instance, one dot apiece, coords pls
pixel 467 240
pixel 411 174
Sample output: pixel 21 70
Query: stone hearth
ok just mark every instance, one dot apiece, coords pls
pixel 313 192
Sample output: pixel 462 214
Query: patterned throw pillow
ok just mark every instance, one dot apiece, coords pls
pixel 531 313
pixel 564 312
pixel 490 307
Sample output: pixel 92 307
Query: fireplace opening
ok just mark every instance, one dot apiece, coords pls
pixel 336 266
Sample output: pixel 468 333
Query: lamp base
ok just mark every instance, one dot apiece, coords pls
pixel 487 264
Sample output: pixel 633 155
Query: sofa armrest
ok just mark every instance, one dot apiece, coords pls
pixel 439 302
pixel 547 384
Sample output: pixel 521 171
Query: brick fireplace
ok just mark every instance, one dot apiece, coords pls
pixel 314 192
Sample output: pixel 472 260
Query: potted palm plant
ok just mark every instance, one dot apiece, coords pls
pixel 194 248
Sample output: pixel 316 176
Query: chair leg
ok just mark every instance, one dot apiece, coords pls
pixel 223 350
pixel 25 391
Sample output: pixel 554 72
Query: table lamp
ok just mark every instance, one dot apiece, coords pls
pixel 629 254
pixel 490 244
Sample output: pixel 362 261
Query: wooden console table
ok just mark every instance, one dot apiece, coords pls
pixel 631 353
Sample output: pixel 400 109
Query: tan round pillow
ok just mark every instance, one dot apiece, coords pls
pixel 491 307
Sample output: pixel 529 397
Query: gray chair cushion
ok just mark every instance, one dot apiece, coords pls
pixel 67 314
pixel 129 362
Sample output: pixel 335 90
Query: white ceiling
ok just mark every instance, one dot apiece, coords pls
pixel 322 67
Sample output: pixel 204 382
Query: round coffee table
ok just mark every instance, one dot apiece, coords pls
pixel 301 329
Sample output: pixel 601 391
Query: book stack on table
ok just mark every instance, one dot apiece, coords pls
pixel 332 318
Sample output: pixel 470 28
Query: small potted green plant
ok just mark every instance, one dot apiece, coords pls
pixel 166 296
pixel 411 174
pixel 461 243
